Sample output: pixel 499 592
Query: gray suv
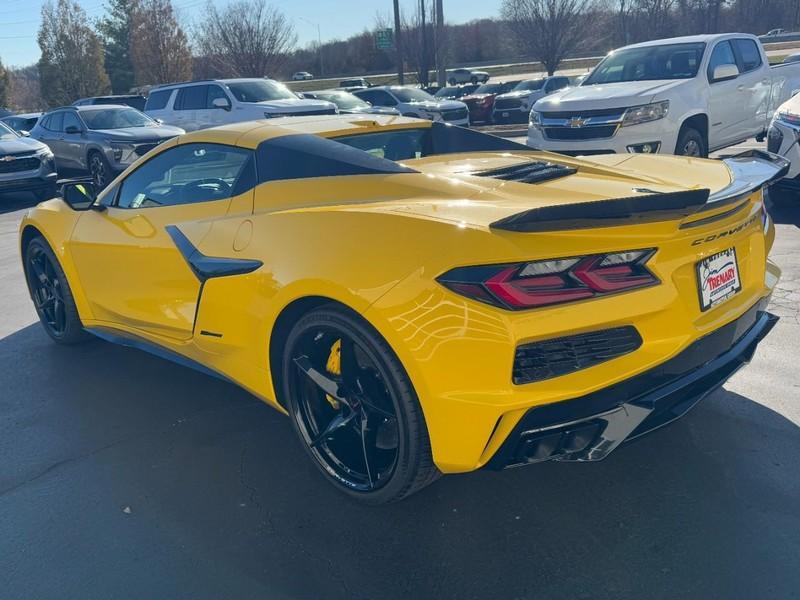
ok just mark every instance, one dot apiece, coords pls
pixel 101 140
pixel 25 165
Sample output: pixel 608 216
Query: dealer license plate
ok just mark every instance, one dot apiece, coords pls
pixel 718 278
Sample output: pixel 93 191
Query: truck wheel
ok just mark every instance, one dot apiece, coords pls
pixel 474 80
pixel 691 143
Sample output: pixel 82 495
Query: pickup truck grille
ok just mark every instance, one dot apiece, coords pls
pixel 582 125
pixel 16 163
pixel 457 114
pixel 507 103
pixel 580 133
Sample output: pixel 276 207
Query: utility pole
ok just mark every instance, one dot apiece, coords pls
pixel 440 70
pixel 423 67
pixel 398 42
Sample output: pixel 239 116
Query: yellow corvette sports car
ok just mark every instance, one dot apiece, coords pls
pixel 420 298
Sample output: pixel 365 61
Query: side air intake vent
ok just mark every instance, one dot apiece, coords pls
pixel 529 172
pixel 551 358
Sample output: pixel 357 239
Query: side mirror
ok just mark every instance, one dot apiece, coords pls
pixel 72 129
pixel 24 133
pixel 724 72
pixel 159 121
pixel 79 196
pixel 222 103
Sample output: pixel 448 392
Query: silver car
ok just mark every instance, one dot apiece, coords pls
pixel 25 165
pixel 101 140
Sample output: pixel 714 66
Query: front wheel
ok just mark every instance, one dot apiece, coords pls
pixel 51 294
pixel 99 170
pixel 354 408
pixel 691 143
pixel 474 80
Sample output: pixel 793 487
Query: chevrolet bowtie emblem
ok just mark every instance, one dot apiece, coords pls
pixel 577 122
pixel 7 158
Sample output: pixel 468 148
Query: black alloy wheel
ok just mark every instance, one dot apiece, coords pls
pixel 51 294
pixel 354 408
pixel 99 171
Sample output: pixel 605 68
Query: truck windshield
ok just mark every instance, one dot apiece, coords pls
pixel 260 90
pixel 649 63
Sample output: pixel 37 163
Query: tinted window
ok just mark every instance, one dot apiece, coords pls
pixel 158 100
pixel 55 121
pixel 722 55
pixel 191 98
pixel 214 91
pixel 377 97
pixel 71 120
pixel 185 175
pixel 749 55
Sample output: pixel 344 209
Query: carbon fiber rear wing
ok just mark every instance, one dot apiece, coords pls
pixel 749 170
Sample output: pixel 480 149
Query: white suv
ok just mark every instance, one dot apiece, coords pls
pixel 202 104
pixel 413 102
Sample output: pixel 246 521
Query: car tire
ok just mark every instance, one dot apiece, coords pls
pixel 691 143
pixel 51 294
pixel 99 170
pixel 474 80
pixel 46 193
pixel 377 410
pixel 451 81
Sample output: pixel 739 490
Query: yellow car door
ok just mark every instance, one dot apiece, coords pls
pixel 132 258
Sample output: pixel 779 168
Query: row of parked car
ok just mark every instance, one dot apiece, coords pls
pixel 687 96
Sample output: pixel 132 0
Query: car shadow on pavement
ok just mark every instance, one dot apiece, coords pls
pixel 11 202
pixel 125 475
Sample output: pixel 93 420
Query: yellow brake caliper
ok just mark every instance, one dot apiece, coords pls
pixel 334 367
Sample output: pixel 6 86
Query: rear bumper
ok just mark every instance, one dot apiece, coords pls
pixel 590 427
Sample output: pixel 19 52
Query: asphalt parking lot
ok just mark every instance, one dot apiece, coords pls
pixel 124 476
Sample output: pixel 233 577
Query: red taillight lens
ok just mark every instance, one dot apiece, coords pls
pixel 548 282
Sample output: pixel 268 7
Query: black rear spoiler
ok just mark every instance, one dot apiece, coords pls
pixel 606 213
pixel 750 170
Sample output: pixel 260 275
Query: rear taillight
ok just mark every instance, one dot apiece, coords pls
pixel 547 282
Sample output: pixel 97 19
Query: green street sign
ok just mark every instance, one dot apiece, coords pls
pixel 384 39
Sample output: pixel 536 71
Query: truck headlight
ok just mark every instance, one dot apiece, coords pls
pixel 44 153
pixel 535 119
pixel 645 113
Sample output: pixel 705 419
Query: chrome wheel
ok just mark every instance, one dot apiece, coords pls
pixel 98 171
pixel 47 291
pixel 343 408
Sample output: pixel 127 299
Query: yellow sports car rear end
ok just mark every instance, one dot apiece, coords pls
pixel 420 298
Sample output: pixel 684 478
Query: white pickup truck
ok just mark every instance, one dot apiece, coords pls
pixel 688 95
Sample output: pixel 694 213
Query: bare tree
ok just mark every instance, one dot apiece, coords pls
pixel 159 47
pixel 247 38
pixel 71 64
pixel 5 86
pixel 549 30
pixel 25 92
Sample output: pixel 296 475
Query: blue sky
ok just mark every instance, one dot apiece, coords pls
pixel 336 19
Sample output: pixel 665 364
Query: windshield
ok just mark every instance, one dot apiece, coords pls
pixel 115 118
pixel 531 85
pixel 260 90
pixel 650 63
pixel 492 88
pixel 6 133
pixel 343 100
pixel 447 92
pixel 412 95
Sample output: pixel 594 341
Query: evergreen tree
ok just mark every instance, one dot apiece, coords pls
pixel 116 30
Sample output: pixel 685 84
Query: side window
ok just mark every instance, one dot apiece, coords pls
pixel 749 56
pixel 369 96
pixel 187 174
pixel 191 98
pixel 722 55
pixel 214 91
pixel 71 120
pixel 56 122
pixel 384 98
pixel 158 100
